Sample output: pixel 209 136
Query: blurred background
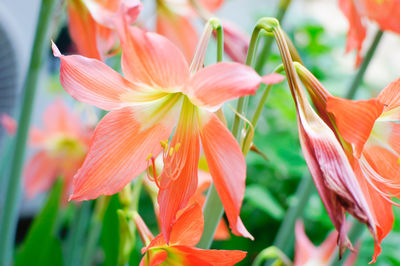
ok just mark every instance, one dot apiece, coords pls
pixel 318 29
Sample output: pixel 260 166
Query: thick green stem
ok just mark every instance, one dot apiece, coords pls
pixel 213 211
pixel 10 210
pixel 364 65
pixel 266 49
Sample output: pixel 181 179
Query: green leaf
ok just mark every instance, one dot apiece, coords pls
pixel 110 233
pixel 41 246
pixel 264 201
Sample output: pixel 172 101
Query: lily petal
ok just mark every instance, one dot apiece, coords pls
pixel 211 5
pixel 118 153
pixel 196 256
pixel 152 59
pixel 336 182
pixel 390 95
pixel 304 249
pixel 179 30
pixel 357 31
pixel 179 175
pixel 58 118
pixel 355 119
pixel 40 173
pixel 227 168
pixel 82 29
pixel 188 228
pixel 9 124
pixel 93 82
pixel 213 85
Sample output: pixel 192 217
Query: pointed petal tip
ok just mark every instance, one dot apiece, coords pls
pixel 56 51
pixel 272 78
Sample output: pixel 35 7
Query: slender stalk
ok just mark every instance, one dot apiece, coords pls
pixel 94 230
pixel 74 248
pixel 10 210
pixel 249 60
pixel 213 211
pixel 364 65
pixel 266 49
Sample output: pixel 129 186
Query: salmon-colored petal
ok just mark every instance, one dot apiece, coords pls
pixel 227 168
pixel 380 207
pixel 106 12
pixel 221 82
pixel 236 42
pixel 57 118
pixel 385 163
pixel 327 249
pixel 82 29
pixel 331 171
pixel 154 258
pixel 355 119
pixel 196 256
pixel 357 31
pixel 120 146
pixel 9 124
pixel 188 228
pixel 93 82
pixel 385 13
pixel 211 5
pixel 39 174
pixel 304 249
pixel 179 30
pixel 152 59
pixel 390 95
pixel 179 175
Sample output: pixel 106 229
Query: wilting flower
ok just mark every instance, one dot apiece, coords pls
pixel 307 254
pixel 158 93
pixel 174 22
pixel 92 23
pixel 61 146
pixel 369 134
pixel 185 234
pixel 236 42
pixel 384 12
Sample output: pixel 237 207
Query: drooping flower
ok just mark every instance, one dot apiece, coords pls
pixel 308 254
pixel 159 92
pixel 369 133
pixel 384 12
pixel 61 147
pixel 91 23
pixel 185 234
pixel 174 22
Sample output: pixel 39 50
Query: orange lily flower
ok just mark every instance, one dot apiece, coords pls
pixel 173 21
pixel 307 254
pixel 204 181
pixel 384 12
pixel 62 145
pixel 369 133
pixel 91 23
pixel 185 234
pixel 159 92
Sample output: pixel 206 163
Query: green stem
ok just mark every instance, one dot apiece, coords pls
pixel 10 211
pixel 364 65
pixel 74 248
pixel 213 208
pixel 266 49
pixel 213 211
pixel 94 230
pixel 249 60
